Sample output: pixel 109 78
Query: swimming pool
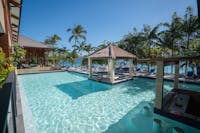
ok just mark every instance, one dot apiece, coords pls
pixel 69 102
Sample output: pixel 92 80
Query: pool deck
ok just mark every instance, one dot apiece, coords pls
pixel 103 80
pixel 169 77
pixel 108 82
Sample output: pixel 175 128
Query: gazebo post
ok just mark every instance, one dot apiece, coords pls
pixel 159 84
pixel 131 68
pixel 176 77
pixel 89 67
pixel 111 70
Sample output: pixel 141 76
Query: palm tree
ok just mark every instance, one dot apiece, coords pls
pixel 80 48
pixel 89 48
pixel 52 41
pixel 190 29
pixel 132 42
pixel 190 26
pixel 77 32
pixel 71 56
pixel 172 36
pixel 150 36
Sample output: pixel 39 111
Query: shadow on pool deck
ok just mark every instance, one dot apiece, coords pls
pixel 81 88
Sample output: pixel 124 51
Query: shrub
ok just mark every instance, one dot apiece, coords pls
pixel 5 67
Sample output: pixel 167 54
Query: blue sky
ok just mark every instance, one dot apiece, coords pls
pixel 104 20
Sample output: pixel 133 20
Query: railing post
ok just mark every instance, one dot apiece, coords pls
pixel 159 85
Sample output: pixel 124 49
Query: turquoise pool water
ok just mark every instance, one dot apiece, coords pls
pixel 69 102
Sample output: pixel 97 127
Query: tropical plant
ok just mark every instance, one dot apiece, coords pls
pixel 52 42
pixel 77 33
pixel 89 48
pixel 133 42
pixel 80 48
pixel 19 54
pixel 5 67
pixel 190 26
pixel 71 57
pixel 171 37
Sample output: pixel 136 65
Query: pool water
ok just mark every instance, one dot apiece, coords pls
pixel 69 102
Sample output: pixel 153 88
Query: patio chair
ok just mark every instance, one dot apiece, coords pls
pixel 152 70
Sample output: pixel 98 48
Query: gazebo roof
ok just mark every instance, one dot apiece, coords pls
pixel 111 51
pixel 27 42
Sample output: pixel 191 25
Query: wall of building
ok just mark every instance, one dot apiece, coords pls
pixel 5 39
pixel 2 22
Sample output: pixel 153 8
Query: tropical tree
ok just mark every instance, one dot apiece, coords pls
pixel 80 48
pixel 150 35
pixel 71 57
pixel 133 42
pixel 172 36
pixel 89 48
pixel 5 67
pixel 52 42
pixel 19 54
pixel 190 26
pixel 190 30
pixel 77 33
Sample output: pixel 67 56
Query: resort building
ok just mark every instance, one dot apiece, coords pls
pixel 35 51
pixel 10 11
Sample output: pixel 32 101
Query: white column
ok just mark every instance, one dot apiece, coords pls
pixel 89 67
pixel 111 70
pixel 176 76
pixel 131 68
pixel 159 84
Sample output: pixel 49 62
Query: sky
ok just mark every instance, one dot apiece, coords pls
pixel 104 20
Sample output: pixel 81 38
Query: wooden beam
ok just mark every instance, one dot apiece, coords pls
pixel 14 16
pixel 15 3
pixel 15 35
pixel 111 70
pixel 176 77
pixel 131 68
pixel 159 84
pixel 15 31
pixel 14 25
pixel 198 6
pixel 13 39
pixel 89 68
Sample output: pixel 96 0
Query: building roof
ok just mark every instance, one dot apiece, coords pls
pixel 111 51
pixel 27 42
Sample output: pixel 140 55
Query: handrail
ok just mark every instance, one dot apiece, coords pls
pixel 8 104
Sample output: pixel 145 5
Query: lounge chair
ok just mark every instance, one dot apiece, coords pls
pixel 152 70
pixel 191 75
pixel 138 69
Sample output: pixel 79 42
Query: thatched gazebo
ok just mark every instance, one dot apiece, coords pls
pixel 111 53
